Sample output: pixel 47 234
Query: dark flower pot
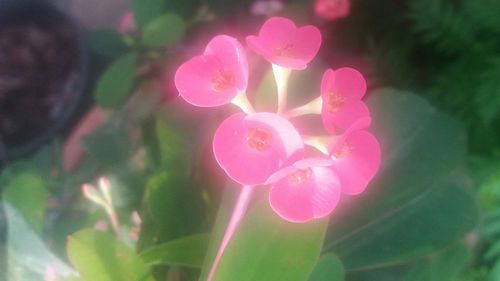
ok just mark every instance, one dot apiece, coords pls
pixel 43 75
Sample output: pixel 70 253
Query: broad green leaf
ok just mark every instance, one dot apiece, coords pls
pixel 117 82
pixel 27 255
pixel 27 192
pixel 147 10
pixel 445 266
pixel 493 252
pixel 328 268
pixel 100 256
pixel 411 208
pixel 164 30
pixel 166 196
pixel 392 273
pixel 265 247
pixel 186 251
pixel 495 272
pixel 107 42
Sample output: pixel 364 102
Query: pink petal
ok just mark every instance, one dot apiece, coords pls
pixel 216 77
pixel 305 194
pixel 357 160
pixel 346 82
pixel 250 148
pixel 332 9
pixel 301 164
pixel 232 56
pixel 347 115
pixel 282 43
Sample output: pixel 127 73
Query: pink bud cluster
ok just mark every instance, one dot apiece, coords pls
pixel 264 148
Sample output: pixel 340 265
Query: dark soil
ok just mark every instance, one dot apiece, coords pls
pixel 39 67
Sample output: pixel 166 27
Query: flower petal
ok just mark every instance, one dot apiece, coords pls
pixel 282 43
pixel 216 77
pixel 346 82
pixel 232 56
pixel 299 199
pixel 347 115
pixel 356 161
pixel 250 148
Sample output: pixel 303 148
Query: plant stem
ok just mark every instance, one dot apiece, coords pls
pixel 241 101
pixel 281 76
pixel 312 107
pixel 238 213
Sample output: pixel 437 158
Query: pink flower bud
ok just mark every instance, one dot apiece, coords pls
pixel 332 9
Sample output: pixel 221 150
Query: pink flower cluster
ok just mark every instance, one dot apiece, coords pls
pixel 263 148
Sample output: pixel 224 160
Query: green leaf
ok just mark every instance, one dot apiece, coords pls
pixel 328 268
pixel 166 196
pixel 108 42
pixel 445 266
pixel 265 247
pixel 100 256
pixel 164 30
pixel 416 204
pixel 117 82
pixel 147 10
pixel 28 194
pixel 186 251
pixel 27 253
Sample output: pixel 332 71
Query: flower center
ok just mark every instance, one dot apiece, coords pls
pixel 300 176
pixel 342 152
pixel 287 50
pixel 223 80
pixel 335 101
pixel 259 139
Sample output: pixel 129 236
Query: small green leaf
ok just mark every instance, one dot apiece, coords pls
pixel 100 256
pixel 328 268
pixel 28 194
pixel 186 251
pixel 147 10
pixel 117 82
pixel 164 30
pixel 107 42
pixel 266 247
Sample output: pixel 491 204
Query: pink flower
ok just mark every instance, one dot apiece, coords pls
pixel 127 23
pixel 332 9
pixel 306 190
pixel 282 43
pixel 215 77
pixel 341 92
pixel 356 159
pixel 250 148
